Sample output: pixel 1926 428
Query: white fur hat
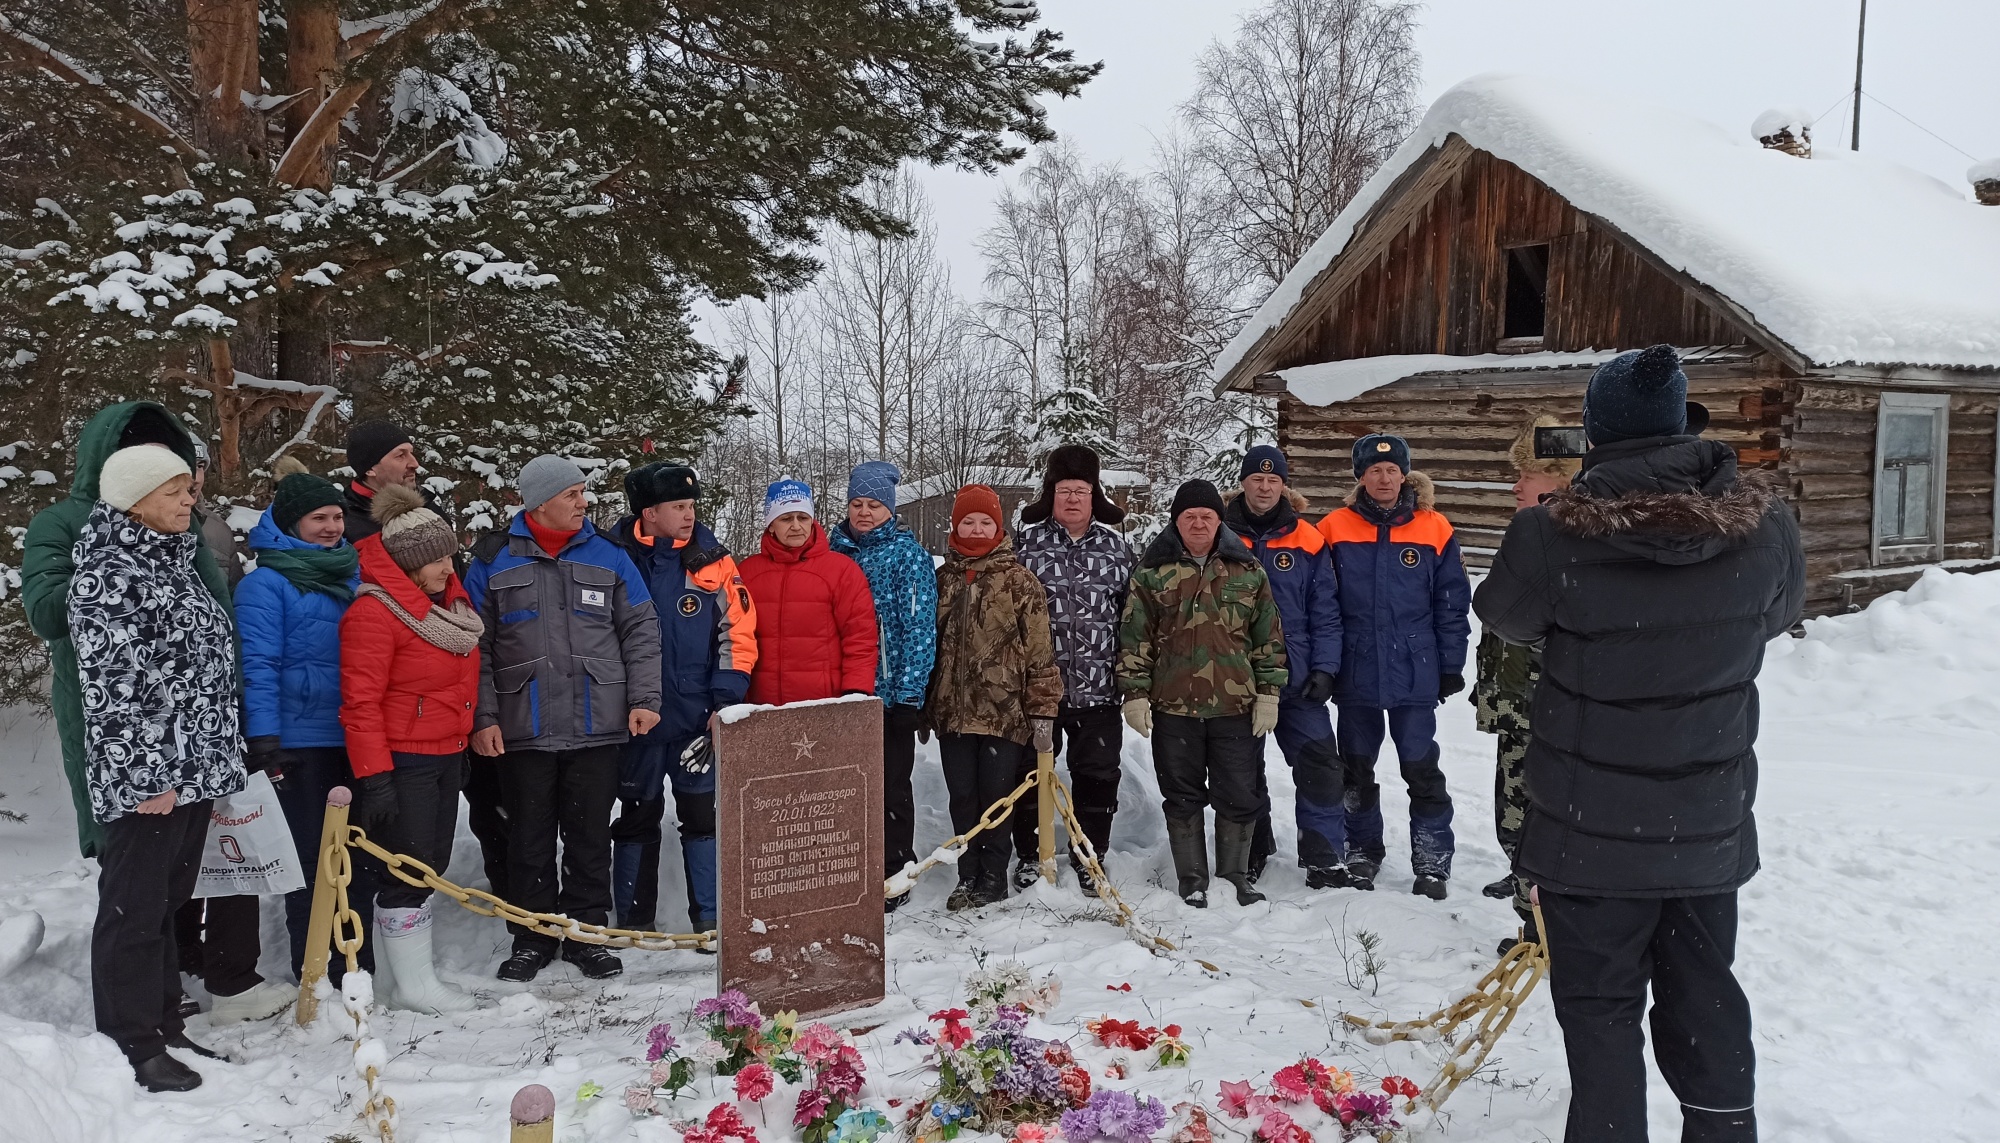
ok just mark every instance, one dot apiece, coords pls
pixel 130 474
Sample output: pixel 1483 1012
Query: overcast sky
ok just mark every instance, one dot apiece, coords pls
pixel 1724 60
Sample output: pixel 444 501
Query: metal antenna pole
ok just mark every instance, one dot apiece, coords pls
pixel 1860 42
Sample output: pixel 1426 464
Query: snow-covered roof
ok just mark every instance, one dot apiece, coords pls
pixel 1845 257
pixel 1330 381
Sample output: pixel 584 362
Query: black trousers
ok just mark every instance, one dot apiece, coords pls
pixel 308 775
pixel 146 871
pixel 486 816
pixel 639 823
pixel 216 939
pixel 1207 761
pixel 563 795
pixel 899 801
pixel 1090 740
pixel 1603 953
pixel 427 787
pixel 979 770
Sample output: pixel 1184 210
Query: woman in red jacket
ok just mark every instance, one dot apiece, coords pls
pixel 816 626
pixel 409 680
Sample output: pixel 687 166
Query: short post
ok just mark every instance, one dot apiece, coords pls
pixel 1045 805
pixel 532 1118
pixel 319 928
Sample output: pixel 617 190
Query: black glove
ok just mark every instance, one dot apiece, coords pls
pixel 378 810
pixel 1318 688
pixel 1450 684
pixel 266 755
pixel 698 756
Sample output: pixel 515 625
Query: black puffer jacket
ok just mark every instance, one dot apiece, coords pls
pixel 1653 586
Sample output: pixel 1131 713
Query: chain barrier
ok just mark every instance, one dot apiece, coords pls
pixel 1496 1000
pixel 996 815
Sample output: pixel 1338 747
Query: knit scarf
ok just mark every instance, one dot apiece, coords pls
pixel 329 571
pixel 456 629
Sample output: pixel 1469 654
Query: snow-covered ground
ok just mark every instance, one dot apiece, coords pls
pixel 1866 947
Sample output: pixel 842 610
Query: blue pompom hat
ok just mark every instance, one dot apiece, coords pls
pixel 787 496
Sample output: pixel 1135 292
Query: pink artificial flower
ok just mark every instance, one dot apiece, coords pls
pixel 640 1101
pixel 817 1044
pixel 1276 1127
pixel 754 1082
pixel 1236 1099
pixel 1031 1133
pixel 1292 1085
pixel 811 1105
pixel 842 1080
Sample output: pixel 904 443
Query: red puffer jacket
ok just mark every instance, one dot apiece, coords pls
pixel 816 627
pixel 399 693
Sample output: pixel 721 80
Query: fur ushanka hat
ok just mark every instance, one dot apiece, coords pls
pixel 1072 462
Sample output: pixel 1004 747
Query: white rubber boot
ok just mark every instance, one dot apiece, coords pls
pixel 405 951
pixel 258 1002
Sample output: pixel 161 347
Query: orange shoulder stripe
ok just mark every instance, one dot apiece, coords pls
pixel 1428 528
pixel 1303 537
pixel 1346 526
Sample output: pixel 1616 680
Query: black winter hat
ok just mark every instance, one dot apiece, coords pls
pixel 1635 395
pixel 298 496
pixel 1072 462
pixel 660 483
pixel 1375 448
pixel 369 441
pixel 1195 494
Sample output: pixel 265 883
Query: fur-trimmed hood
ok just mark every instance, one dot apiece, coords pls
pixel 1293 497
pixel 1417 480
pixel 1676 500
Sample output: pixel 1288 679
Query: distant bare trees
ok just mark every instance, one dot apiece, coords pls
pixel 1291 117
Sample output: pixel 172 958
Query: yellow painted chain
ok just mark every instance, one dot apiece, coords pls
pixel 380 1108
pixel 996 815
pixel 1496 1000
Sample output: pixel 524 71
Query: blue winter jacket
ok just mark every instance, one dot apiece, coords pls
pixel 1403 599
pixel 1300 567
pixel 903 579
pixel 291 651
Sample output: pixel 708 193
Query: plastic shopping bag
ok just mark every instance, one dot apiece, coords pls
pixel 249 848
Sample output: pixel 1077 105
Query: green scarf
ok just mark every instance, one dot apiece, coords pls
pixel 329 571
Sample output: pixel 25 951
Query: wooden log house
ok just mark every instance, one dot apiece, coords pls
pixel 1839 318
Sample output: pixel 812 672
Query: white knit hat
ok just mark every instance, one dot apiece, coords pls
pixel 132 473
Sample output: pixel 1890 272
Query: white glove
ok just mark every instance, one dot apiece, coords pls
pixel 698 756
pixel 1264 716
pixel 1139 716
pixel 1044 733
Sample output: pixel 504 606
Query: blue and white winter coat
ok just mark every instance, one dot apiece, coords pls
pixel 1404 598
pixel 291 651
pixel 902 578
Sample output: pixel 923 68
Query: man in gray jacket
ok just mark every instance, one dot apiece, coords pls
pixel 569 670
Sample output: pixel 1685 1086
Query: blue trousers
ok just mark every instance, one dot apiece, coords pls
pixel 1305 737
pixel 1414 731
pixel 636 837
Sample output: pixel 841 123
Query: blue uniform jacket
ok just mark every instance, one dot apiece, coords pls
pixel 291 652
pixel 1404 597
pixel 902 578
pixel 1300 567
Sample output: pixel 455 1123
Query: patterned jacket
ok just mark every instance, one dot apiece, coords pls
pixel 571 645
pixel 903 582
pixel 1504 693
pixel 155 655
pixel 1200 640
pixel 1086 581
pixel 996 665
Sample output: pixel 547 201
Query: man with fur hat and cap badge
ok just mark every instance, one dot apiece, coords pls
pixel 569 671
pixel 1084 566
pixel 1265 512
pixel 1404 599
pixel 1503 691
pixel 1652 586
pixel 1201 660
pixel 708 645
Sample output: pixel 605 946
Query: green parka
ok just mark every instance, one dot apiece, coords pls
pixel 46 568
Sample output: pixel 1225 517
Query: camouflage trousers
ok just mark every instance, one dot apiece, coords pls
pixel 1510 801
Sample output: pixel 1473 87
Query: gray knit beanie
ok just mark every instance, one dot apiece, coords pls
pixel 413 534
pixel 544 477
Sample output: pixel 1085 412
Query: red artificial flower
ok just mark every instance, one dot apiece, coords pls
pixel 754 1082
pixel 1059 1055
pixel 1196 1130
pixel 1076 1085
pixel 1325 1100
pixel 1173 1030
pixel 1236 1099
pixel 1397 1085
pixel 1124 1034
pixel 725 1122
pixel 812 1104
pixel 956 1034
pixel 1291 1084
pixel 1118 987
pixel 1116 1070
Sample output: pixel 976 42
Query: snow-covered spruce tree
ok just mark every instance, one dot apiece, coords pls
pixel 276 214
pixel 1073 414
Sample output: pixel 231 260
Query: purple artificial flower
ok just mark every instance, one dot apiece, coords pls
pixel 1368 1105
pixel 1008 1018
pixel 660 1041
pixel 1079 1124
pixel 1115 1115
pixel 916 1036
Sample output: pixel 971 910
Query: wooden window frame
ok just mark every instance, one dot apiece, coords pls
pixel 1881 553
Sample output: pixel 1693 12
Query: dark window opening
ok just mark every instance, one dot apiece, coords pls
pixel 1527 291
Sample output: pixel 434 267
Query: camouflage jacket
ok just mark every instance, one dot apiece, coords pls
pixel 1504 693
pixel 996 664
pixel 1200 640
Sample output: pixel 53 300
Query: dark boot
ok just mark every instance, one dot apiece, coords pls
pixel 1234 842
pixel 1501 890
pixel 165 1073
pixel 1188 839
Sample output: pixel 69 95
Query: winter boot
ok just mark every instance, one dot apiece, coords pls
pixel 1361 811
pixel 1361 870
pixel 593 961
pixel 625 857
pixel 1432 887
pixel 165 1073
pixel 1234 842
pixel 991 887
pixel 405 936
pixel 698 860
pixel 1501 890
pixel 258 1002
pixel 1188 839
pixel 1431 846
pixel 1330 877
